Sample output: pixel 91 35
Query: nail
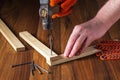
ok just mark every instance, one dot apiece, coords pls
pixel 70 56
pixel 65 55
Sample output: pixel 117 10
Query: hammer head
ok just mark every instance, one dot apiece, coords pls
pixel 45 13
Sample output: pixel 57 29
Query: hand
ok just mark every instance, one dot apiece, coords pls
pixel 65 6
pixel 83 35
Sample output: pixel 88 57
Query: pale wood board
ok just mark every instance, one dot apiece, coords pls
pixel 45 51
pixel 37 45
pixel 61 59
pixel 10 37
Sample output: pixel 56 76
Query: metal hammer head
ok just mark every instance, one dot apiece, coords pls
pixel 45 13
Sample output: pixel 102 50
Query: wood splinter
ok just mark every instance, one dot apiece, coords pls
pixel 45 51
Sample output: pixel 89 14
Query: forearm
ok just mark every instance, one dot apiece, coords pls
pixel 109 13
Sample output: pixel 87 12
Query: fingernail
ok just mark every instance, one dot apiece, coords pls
pixel 65 55
pixel 70 56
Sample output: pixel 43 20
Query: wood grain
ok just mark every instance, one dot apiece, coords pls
pixel 61 59
pixel 23 16
pixel 54 58
pixel 19 16
pixel 37 45
pixel 11 38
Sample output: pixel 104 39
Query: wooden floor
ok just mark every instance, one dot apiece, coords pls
pixel 21 15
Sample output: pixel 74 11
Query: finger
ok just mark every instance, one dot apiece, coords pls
pixel 78 44
pixel 67 4
pixel 61 14
pixel 70 44
pixel 87 43
pixel 74 36
pixel 81 49
pixel 78 53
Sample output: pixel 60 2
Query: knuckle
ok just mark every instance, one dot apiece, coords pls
pixel 72 39
pixel 78 28
pixel 86 32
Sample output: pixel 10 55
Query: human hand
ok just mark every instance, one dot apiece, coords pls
pixel 83 35
pixel 65 6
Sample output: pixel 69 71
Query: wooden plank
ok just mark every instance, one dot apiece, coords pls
pixel 37 45
pixel 61 59
pixel 11 38
pixel 45 51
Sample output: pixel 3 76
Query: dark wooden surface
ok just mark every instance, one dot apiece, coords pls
pixel 21 15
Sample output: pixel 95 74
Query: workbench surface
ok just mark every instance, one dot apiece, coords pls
pixel 22 15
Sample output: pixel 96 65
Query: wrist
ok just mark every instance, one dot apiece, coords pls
pixel 102 23
pixel 99 27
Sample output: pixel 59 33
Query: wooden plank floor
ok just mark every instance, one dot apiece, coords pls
pixel 22 15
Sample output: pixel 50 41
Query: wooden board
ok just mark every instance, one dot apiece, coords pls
pixel 37 45
pixel 11 38
pixel 53 59
pixel 22 16
pixel 61 59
